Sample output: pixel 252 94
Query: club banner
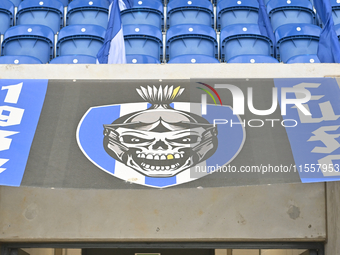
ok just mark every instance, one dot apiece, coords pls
pixel 112 134
pixel 20 107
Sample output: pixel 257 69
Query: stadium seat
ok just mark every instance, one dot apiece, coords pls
pixel 190 12
pixel 147 12
pixel 162 1
pixel 144 40
pixel 296 39
pixel 65 2
pixel 41 12
pixel 241 39
pixel 337 30
pixel 287 11
pixel 236 11
pixel 6 15
pixel 29 40
pixel 307 58
pixel 336 11
pixel 141 59
pixel 15 2
pixel 80 39
pixel 19 60
pixel 191 39
pixel 253 59
pixel 193 59
pixel 74 59
pixel 90 12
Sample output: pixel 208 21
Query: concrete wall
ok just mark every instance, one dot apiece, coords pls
pixel 333 218
pixel 291 212
pixel 168 71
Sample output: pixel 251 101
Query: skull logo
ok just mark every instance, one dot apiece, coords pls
pixel 160 141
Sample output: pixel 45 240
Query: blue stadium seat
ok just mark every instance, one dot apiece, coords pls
pixel 41 12
pixel 231 12
pixel 19 60
pixel 16 2
pixel 290 11
pixel 190 12
pixel 253 59
pixel 147 12
pixel 337 30
pixel 336 11
pixel 80 39
pixel 193 59
pixel 162 1
pixel 241 39
pixel 307 58
pixel 6 15
pixel 29 40
pixel 191 39
pixel 144 40
pixel 141 59
pixel 90 12
pixel 65 2
pixel 74 59
pixel 296 39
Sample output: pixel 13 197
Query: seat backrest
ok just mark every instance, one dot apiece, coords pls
pixel 241 39
pixel 286 11
pixel 253 59
pixel 190 12
pixel 335 11
pixel 191 39
pixel 337 30
pixel 162 2
pixel 307 58
pixel 189 30
pixel 16 2
pixel 147 12
pixel 236 11
pixel 65 2
pixel 94 12
pixel 193 59
pixel 6 15
pixel 142 31
pixel 239 30
pixel 143 39
pixel 41 12
pixel 80 39
pixel 141 59
pixel 19 60
pixel 31 40
pixel 290 31
pixel 296 39
pixel 74 59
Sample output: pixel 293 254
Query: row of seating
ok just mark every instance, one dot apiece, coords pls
pixel 66 2
pixel 17 2
pixel 235 40
pixel 144 59
pixel 150 12
pixel 51 13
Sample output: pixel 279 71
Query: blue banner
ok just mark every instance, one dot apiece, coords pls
pixel 21 102
pixel 315 139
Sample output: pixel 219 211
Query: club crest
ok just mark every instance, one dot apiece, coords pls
pixel 159 142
